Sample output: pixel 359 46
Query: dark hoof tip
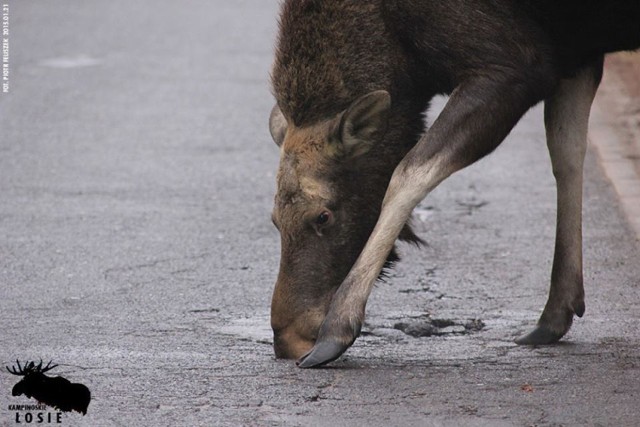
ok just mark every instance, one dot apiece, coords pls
pixel 321 354
pixel 541 335
pixel 579 309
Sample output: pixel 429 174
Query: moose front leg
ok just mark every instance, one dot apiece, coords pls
pixel 566 117
pixel 477 117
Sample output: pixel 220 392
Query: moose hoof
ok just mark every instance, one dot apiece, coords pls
pixel 321 354
pixel 541 335
pixel 552 326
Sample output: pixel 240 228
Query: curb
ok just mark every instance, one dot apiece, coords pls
pixel 614 131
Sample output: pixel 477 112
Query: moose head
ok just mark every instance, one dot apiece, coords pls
pixel 34 377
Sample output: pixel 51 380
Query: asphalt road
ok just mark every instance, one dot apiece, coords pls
pixel 136 250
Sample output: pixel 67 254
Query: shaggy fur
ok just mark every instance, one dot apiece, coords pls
pixel 504 56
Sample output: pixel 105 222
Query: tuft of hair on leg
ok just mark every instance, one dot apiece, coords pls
pixel 407 235
pixel 391 261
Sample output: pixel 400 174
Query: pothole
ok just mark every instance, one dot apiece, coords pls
pixel 438 327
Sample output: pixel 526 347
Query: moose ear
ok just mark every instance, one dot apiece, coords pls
pixel 363 123
pixel 277 125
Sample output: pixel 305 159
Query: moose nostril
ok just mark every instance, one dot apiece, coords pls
pixel 278 346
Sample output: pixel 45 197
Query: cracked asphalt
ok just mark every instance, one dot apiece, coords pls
pixel 136 250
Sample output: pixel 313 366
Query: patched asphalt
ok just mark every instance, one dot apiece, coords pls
pixel 136 249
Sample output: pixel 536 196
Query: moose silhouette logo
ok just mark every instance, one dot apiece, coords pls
pixel 57 392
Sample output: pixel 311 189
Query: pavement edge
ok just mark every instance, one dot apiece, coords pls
pixel 614 132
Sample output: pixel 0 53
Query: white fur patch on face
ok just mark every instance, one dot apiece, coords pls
pixel 314 189
pixel 302 159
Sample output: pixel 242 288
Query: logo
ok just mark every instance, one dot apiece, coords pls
pixel 56 392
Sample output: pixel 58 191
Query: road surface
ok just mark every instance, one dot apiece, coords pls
pixel 136 250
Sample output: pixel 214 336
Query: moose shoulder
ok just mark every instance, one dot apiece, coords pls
pixel 352 80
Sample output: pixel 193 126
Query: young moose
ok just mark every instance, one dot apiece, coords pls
pixel 352 79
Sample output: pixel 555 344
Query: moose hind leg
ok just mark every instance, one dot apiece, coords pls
pixel 566 118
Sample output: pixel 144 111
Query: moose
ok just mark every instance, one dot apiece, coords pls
pixel 57 392
pixel 352 80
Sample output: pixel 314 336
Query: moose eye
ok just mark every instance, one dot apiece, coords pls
pixel 323 218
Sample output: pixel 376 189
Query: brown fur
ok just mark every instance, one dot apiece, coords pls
pixel 496 58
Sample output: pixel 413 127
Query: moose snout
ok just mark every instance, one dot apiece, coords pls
pixel 294 333
pixel 297 312
pixel 288 344
pixel 17 389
